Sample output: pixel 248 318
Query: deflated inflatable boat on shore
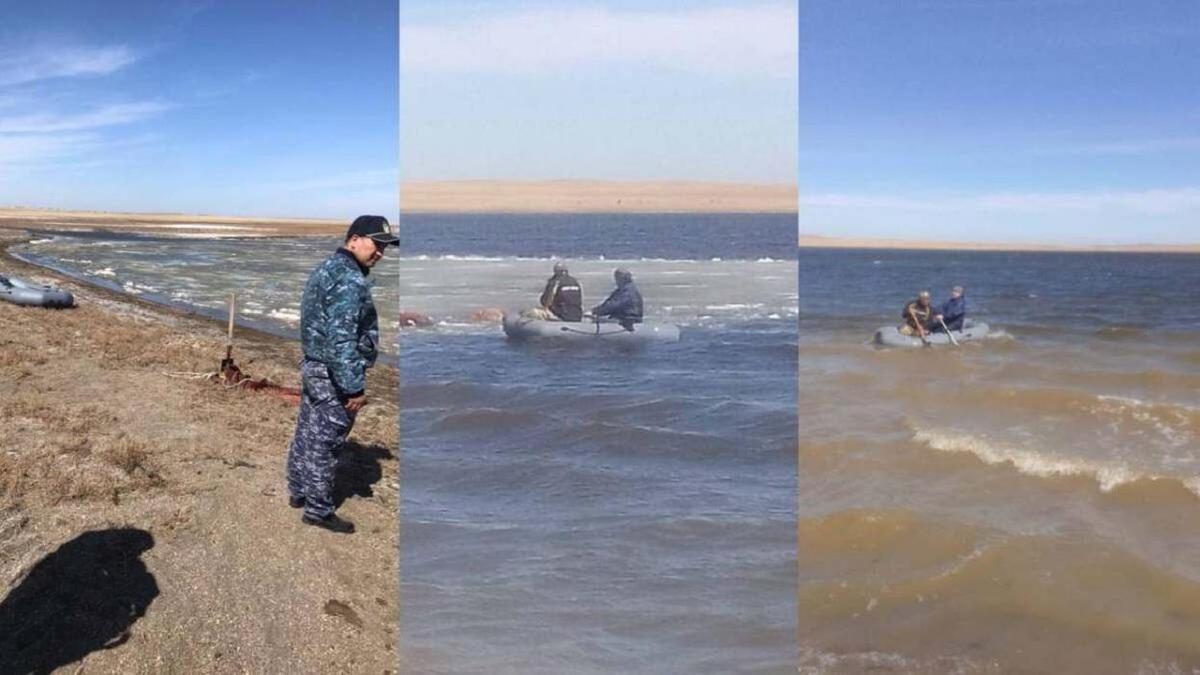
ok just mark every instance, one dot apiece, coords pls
pixel 30 294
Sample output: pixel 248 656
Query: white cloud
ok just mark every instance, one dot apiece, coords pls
pixel 19 66
pixel 38 129
pixel 103 116
pixel 1161 215
pixel 756 39
pixel 17 149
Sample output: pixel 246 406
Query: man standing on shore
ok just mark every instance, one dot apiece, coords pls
pixel 339 330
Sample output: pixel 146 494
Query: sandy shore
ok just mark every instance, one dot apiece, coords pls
pixel 814 241
pixel 167 223
pixel 129 488
pixel 568 196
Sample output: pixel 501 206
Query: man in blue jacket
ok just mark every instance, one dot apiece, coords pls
pixel 954 311
pixel 339 330
pixel 624 304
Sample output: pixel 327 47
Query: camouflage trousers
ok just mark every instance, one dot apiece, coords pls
pixel 321 429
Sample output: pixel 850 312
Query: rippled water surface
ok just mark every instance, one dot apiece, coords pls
pixel 266 274
pixel 588 508
pixel 974 509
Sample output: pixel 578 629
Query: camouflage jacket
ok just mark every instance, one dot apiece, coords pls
pixel 338 323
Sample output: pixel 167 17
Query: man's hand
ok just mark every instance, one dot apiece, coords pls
pixel 355 404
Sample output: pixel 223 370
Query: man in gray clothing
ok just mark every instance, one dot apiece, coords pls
pixel 339 330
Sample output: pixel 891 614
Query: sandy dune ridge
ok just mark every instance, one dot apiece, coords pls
pixel 595 196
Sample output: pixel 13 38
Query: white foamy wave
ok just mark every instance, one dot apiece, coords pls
pixel 1193 485
pixel 1108 475
pixel 285 314
pixel 1170 420
pixel 733 306
pixel 33 242
pixel 999 334
pixel 814 662
pixel 1139 403
pixel 105 272
pixel 471 258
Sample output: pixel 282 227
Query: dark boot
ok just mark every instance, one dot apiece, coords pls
pixel 331 522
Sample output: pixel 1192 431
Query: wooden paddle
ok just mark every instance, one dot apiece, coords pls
pixel 948 333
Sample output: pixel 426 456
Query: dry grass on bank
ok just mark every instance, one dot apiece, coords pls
pixel 104 432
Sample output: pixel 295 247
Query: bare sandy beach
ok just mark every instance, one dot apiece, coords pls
pixel 594 196
pixel 143 517
pixel 817 241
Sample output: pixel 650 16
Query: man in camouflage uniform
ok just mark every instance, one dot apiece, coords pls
pixel 339 330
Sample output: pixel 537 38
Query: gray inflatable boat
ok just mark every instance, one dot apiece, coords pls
pixel 30 294
pixel 890 336
pixel 518 328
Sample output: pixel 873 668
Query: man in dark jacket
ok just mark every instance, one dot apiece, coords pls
pixel 563 296
pixel 624 304
pixel 953 312
pixel 339 330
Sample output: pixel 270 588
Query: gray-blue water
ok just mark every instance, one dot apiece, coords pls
pixel 267 274
pixel 588 508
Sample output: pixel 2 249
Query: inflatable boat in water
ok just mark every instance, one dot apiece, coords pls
pixel 518 328
pixel 26 293
pixel 890 336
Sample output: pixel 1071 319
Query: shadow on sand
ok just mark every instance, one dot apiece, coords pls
pixel 358 468
pixel 84 596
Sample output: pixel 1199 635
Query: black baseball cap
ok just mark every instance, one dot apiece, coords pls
pixel 375 227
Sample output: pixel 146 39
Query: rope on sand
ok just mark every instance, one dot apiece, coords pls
pixel 216 376
pixel 191 375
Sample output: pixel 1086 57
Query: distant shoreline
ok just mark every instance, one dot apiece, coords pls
pixel 167 223
pixel 816 241
pixel 595 196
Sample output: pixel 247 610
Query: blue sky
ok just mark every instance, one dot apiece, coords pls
pixel 252 107
pixel 618 90
pixel 1006 120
